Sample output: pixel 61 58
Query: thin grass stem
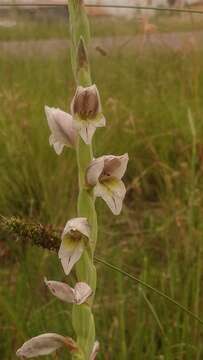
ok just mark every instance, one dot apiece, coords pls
pixel 158 292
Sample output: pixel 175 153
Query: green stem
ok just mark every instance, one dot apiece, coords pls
pixel 83 320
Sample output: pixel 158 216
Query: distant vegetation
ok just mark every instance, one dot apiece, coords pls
pixel 52 23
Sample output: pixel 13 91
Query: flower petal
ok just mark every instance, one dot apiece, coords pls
pixel 86 130
pixel 79 224
pixel 41 345
pixel 94 171
pixel 61 126
pixel 82 292
pixel 64 292
pixel 95 350
pixel 58 147
pixel 99 121
pixel 112 191
pixel 61 290
pixel 116 165
pixel 70 252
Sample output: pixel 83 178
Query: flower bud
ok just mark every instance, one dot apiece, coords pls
pixel 82 58
pixel 86 102
pixel 82 64
pixel 87 112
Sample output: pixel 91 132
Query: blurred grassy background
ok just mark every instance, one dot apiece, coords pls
pixel 146 96
pixel 45 23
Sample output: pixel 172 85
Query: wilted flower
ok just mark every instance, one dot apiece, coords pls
pixel 87 112
pixel 105 174
pixel 95 350
pixel 45 344
pixel 74 237
pixel 62 129
pixel 64 292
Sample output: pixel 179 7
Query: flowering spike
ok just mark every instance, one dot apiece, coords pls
pixel 104 174
pixel 87 112
pixel 74 235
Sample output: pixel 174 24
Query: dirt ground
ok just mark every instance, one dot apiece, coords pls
pixel 180 41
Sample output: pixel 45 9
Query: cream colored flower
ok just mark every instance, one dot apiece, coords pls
pixel 87 112
pixel 64 292
pixel 45 344
pixel 95 350
pixel 74 237
pixel 63 133
pixel 104 174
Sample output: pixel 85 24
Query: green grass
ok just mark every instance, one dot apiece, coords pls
pixel 35 30
pixel 158 237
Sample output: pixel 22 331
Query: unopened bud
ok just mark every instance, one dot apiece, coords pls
pixel 87 112
pixel 82 55
pixel 86 102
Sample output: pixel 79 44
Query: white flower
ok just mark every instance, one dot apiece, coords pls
pixel 75 234
pixel 63 133
pixel 95 350
pixel 104 174
pixel 87 112
pixel 64 292
pixel 45 344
